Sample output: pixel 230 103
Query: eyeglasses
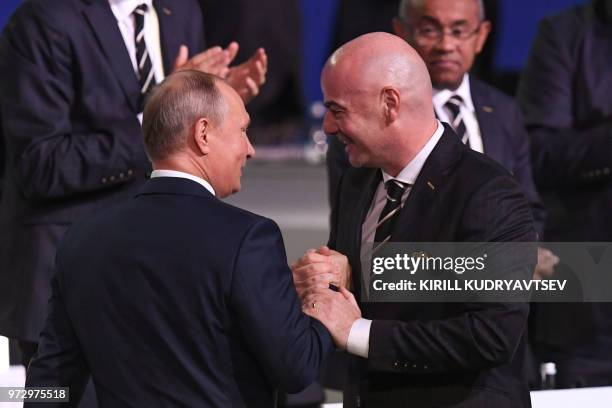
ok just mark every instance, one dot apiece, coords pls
pixel 432 33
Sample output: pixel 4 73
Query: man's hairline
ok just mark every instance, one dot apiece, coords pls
pixel 406 4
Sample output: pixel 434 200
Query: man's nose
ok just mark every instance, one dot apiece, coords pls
pixel 329 124
pixel 250 150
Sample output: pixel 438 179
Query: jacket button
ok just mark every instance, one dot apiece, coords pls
pixel 104 180
pixel 112 178
pixel 396 364
pixel 121 175
pixel 130 172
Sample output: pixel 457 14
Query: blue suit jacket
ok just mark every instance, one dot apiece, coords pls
pixel 175 298
pixel 504 139
pixel 68 106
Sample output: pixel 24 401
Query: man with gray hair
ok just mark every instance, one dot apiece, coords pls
pixel 175 298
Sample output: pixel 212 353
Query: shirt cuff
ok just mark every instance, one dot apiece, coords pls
pixel 359 338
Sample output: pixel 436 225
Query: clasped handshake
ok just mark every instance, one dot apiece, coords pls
pixel 322 278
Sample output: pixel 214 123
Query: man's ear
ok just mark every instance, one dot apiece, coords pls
pixel 390 99
pixel 202 132
pixel 483 34
pixel 399 28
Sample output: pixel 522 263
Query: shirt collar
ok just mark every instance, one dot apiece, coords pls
pixel 180 174
pixel 411 171
pixel 441 96
pixel 123 9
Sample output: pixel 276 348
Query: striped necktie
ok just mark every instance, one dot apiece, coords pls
pixel 454 105
pixel 388 216
pixel 145 68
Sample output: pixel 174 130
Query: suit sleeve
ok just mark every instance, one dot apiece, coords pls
pixel 564 155
pixel 481 335
pixel 58 361
pixel 290 346
pixel 523 172
pixel 195 30
pixel 49 157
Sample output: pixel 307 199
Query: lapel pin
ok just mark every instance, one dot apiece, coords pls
pixel 487 109
pixel 167 11
pixel 431 185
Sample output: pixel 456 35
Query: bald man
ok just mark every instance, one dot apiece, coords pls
pixel 449 35
pixel 379 99
pixel 175 298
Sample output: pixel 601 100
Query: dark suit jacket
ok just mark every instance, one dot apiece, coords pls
pixel 440 354
pixel 175 298
pixel 565 97
pixel 504 140
pixel 68 100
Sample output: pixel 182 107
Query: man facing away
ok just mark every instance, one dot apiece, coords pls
pixel 414 181
pixel 175 298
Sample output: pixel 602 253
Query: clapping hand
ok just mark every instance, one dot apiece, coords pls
pixel 214 60
pixel 248 77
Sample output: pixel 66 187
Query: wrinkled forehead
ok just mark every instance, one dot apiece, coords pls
pixel 444 11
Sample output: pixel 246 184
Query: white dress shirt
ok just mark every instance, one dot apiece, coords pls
pixel 180 174
pixel 123 11
pixel 468 112
pixel 359 335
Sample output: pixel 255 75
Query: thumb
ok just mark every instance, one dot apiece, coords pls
pixel 232 51
pixel 181 57
pixel 324 250
pixel 348 296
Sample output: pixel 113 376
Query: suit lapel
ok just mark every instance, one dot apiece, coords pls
pixel 168 33
pixel 364 201
pixel 486 117
pixel 104 25
pixel 422 197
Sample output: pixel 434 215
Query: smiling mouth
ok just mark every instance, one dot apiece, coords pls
pixel 344 139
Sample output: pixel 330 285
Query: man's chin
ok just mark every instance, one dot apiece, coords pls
pixel 355 162
pixel 446 81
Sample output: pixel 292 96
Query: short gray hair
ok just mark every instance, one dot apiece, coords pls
pixel 406 5
pixel 174 106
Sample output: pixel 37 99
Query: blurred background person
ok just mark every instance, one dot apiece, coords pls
pixel 357 17
pixel 565 97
